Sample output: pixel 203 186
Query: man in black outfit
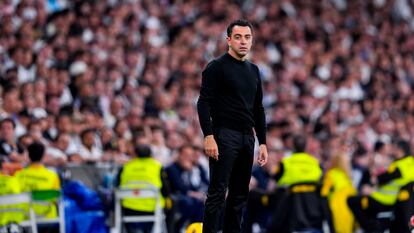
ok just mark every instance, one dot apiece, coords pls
pixel 229 107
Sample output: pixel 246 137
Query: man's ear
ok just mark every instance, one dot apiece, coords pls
pixel 228 39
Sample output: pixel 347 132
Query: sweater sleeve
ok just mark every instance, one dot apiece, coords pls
pixel 259 114
pixel 207 96
pixel 388 176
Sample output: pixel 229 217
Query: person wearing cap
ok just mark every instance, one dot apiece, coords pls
pixel 365 207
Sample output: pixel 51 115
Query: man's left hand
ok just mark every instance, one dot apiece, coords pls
pixel 262 158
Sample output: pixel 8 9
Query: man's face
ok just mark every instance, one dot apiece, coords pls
pixel 240 40
pixel 89 139
pixel 63 142
pixel 185 158
pixel 7 131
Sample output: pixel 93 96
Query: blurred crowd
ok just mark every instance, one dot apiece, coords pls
pixel 93 79
pixel 100 76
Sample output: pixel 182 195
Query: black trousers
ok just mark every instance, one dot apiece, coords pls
pixel 260 211
pixel 403 210
pixel 366 215
pixel 231 171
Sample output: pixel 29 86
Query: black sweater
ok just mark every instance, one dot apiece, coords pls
pixel 231 96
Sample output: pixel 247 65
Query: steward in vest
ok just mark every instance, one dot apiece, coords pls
pixel 302 208
pixel 366 206
pixel 298 168
pixel 37 177
pixel 9 185
pixel 142 168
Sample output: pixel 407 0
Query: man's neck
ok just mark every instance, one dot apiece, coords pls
pixel 234 54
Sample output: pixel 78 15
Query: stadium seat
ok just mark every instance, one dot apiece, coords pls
pixel 23 203
pixel 140 190
pixel 46 198
pixel 17 203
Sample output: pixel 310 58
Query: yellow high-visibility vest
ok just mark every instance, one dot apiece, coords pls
pixel 300 168
pixel 146 170
pixel 37 177
pixel 10 185
pixel 387 193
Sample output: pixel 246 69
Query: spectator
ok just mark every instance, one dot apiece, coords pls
pixel 161 152
pixel 57 153
pixel 12 104
pixel 117 150
pixel 88 151
pixel 361 175
pixel 10 150
pixel 188 186
pixel 330 69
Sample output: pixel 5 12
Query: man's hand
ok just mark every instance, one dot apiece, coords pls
pixel 366 189
pixel 198 195
pixel 210 147
pixel 262 158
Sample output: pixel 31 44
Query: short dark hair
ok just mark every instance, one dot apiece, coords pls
pixel 238 22
pixel 8 119
pixel 143 151
pixel 404 146
pixel 378 146
pixel 186 145
pixel 86 131
pixel 299 143
pixel 36 151
pixel 359 151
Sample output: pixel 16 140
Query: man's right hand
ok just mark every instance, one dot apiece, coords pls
pixel 210 147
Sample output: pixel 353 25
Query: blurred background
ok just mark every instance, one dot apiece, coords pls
pixel 91 80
